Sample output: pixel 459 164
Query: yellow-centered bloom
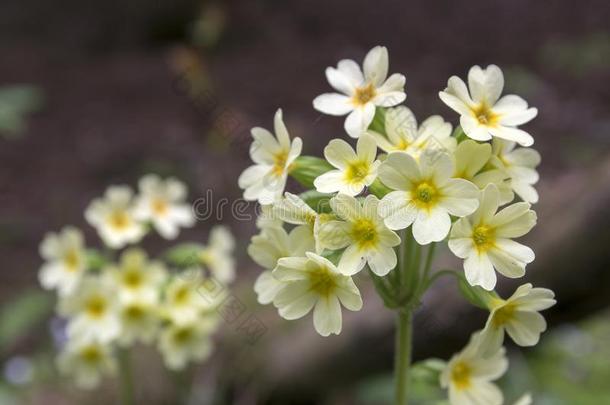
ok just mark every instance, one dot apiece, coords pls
pixel 520 165
pixel 484 240
pixel 361 92
pixel 483 114
pixel 273 158
pixel 65 258
pixel 355 170
pixel 314 282
pixel 468 375
pixel 363 234
pixel 87 362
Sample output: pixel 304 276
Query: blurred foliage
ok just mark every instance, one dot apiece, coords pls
pixel 19 317
pixel 16 103
pixel 578 56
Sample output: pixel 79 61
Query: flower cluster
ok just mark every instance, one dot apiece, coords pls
pixel 403 187
pixel 112 300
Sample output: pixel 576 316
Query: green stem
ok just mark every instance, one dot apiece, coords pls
pixel 127 388
pixel 429 258
pixel 402 360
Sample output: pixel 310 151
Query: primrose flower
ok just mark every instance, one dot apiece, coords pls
pixel 355 170
pixel 65 260
pixel 86 362
pixel 314 282
pixel 183 342
pixel 364 234
pixel 162 203
pixel 471 159
pixel 136 277
pixel 113 217
pixel 183 303
pixel 483 114
pixel 273 158
pixel 217 255
pixel 425 195
pixel 469 375
pixel 361 93
pixel 139 320
pixel 520 164
pixel 92 310
pixel 269 247
pixel 484 240
pixel 403 134
pixel 519 316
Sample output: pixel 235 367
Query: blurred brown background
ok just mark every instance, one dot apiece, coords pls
pixel 174 86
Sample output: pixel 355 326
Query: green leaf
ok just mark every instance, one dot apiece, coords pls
pixel 21 315
pixel 379 189
pixel 95 259
pixel 16 102
pixel 318 201
pixel 184 255
pixel 307 168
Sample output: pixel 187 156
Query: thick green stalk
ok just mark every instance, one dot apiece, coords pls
pixel 126 376
pixel 402 361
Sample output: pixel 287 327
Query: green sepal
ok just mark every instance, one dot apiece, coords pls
pixel 428 371
pixel 306 168
pixel 378 123
pixel 459 134
pixel 95 259
pixel 476 295
pixel 378 189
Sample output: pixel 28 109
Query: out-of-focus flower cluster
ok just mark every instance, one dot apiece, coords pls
pixel 113 299
pixel 403 183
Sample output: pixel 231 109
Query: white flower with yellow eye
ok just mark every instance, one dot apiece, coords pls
pixel 520 164
pixel 483 114
pixel 355 169
pixel 65 258
pixel 273 158
pixel 471 161
pixel 270 246
pixel 184 298
pixel 361 93
pixel 87 362
pixel 314 282
pixel 181 343
pixel 162 203
pixel 484 240
pixel 217 256
pixel 92 310
pixel 468 376
pixel 136 277
pixel 139 320
pixel 113 217
pixel 426 195
pixel 518 316
pixel 364 234
pixel 403 135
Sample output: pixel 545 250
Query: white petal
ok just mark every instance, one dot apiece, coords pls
pixel 397 210
pixel 294 300
pixel 329 182
pixel 391 92
pixel 339 81
pixel 366 148
pixel 376 65
pixel 513 134
pixel 327 316
pixel 473 129
pixel 399 171
pixel 352 261
pixel 352 71
pixel 334 235
pixel 506 264
pixel 525 328
pixel 333 104
pixel 359 120
pixel 339 153
pixel 460 197
pixel 432 226
pixel 348 295
pixel 382 260
pixel 479 271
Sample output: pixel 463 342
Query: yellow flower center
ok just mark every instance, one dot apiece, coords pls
pixel 279 163
pixel 96 307
pixel 484 114
pixel 91 355
pixel 364 232
pixel 119 220
pixel 72 260
pixel 356 171
pixel 181 295
pixel 133 278
pixel 322 282
pixel 364 94
pixel 159 206
pixel 402 144
pixel 425 195
pixel 460 375
pixel 504 315
pixel 183 335
pixel 134 312
pixel 483 237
